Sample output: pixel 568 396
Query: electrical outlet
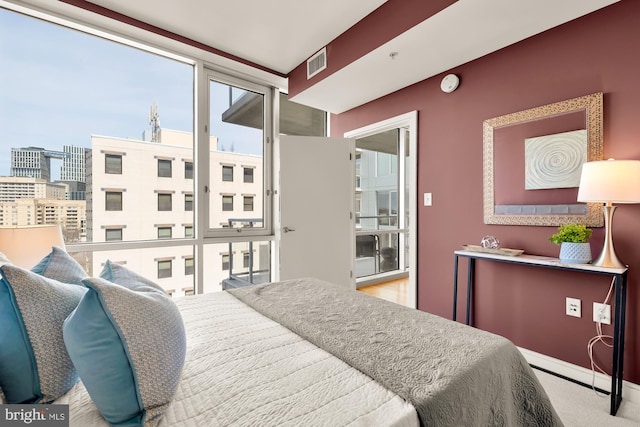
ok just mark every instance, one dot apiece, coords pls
pixel 573 307
pixel 602 313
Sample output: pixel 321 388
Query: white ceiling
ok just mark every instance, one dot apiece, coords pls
pixel 277 34
pixel 281 34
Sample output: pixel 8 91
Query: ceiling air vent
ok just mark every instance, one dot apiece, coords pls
pixel 317 63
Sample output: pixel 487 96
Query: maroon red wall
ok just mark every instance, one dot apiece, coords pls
pixel 596 53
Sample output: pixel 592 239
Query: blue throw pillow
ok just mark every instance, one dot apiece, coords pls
pixel 60 266
pixel 135 335
pixel 121 275
pixel 34 364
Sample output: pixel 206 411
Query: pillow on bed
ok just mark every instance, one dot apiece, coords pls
pixel 3 260
pixel 34 365
pixel 136 337
pixel 121 275
pixel 60 266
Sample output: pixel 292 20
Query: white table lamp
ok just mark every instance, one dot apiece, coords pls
pixel 26 246
pixel 610 181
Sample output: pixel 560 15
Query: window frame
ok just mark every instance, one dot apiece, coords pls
pixel 164 270
pixel 189 270
pixel 188 170
pixel 203 165
pixel 226 177
pixel 112 156
pixel 106 200
pixel 244 203
pixel 246 169
pixel 226 197
pixel 188 202
pixel 164 172
pixel 112 229
pixel 162 228
pixel 170 201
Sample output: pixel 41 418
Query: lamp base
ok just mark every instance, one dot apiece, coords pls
pixel 608 257
pixel 609 260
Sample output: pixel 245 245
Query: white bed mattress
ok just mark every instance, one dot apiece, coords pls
pixel 243 369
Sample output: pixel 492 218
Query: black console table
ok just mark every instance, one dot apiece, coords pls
pixel 620 302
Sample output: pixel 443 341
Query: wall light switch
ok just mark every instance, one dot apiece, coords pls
pixel 428 201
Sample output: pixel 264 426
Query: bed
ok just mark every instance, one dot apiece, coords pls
pixel 256 356
pixel 307 352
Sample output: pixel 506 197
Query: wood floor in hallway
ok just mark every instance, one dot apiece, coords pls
pixel 396 290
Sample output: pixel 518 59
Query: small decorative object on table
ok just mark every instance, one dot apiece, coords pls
pixel 573 240
pixel 491 245
pixel 490 242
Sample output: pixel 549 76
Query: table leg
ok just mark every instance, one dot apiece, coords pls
pixel 455 287
pixel 618 342
pixel 470 272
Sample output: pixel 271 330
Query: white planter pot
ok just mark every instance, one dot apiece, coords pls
pixel 575 253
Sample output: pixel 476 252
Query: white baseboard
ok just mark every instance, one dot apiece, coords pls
pixel 630 391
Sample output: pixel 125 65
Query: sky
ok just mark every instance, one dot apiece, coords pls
pixel 60 86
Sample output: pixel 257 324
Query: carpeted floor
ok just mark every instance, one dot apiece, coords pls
pixel 579 406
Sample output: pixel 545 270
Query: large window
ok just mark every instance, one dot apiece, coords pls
pixel 104 137
pixel 382 202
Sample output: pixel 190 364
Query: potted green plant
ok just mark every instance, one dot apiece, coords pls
pixel 574 243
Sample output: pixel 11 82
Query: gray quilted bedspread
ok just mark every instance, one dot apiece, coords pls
pixel 454 375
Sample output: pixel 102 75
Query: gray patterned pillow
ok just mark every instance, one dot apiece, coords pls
pixel 136 336
pixel 60 266
pixel 34 364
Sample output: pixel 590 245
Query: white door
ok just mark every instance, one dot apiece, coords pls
pixel 316 192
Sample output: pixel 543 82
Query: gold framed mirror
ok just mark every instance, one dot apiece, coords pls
pixel 531 159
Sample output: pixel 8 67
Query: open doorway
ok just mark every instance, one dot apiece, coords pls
pixel 385 202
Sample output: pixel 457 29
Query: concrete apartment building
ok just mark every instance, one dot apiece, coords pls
pixel 125 177
pixel 33 201
pixel 13 188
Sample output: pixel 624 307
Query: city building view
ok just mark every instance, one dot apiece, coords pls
pixel 120 179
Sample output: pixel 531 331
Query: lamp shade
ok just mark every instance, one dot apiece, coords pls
pixel 614 181
pixel 26 246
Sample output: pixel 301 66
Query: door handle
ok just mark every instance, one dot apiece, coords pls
pixel 287 229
